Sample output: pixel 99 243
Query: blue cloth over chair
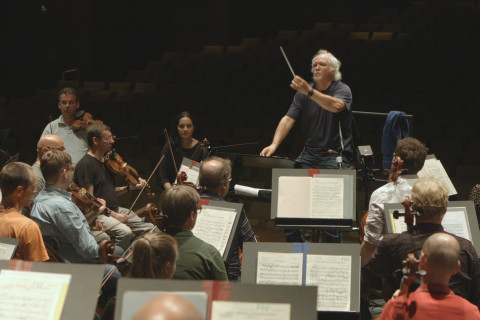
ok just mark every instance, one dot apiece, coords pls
pixel 396 128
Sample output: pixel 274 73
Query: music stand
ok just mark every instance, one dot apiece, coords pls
pixel 8 247
pixel 304 219
pixel 461 213
pixel 234 232
pixel 250 261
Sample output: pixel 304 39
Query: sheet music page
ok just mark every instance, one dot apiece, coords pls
pixel 294 197
pixel 192 175
pixel 327 197
pixel 332 275
pixel 455 221
pixel 399 224
pixel 279 268
pixel 32 295
pixel 214 225
pixel 434 168
pixel 250 310
pixel 6 251
pixel 183 168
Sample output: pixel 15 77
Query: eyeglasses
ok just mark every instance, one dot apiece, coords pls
pixel 58 148
pixel 199 210
pixel 70 168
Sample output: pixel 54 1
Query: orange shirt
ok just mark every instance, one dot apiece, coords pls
pixel 15 225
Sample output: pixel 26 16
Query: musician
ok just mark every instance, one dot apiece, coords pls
pixel 58 216
pixel 198 260
pixel 413 153
pixel 183 145
pixel 155 256
pixel 430 198
pixel 46 143
pixel 92 174
pixel 18 184
pixel 75 139
pixel 214 179
pixel 320 106
pixel 434 299
pixel 169 306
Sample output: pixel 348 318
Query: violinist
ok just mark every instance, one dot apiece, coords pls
pixel 56 213
pixel 183 145
pixel 92 174
pixel 430 199
pixel 412 153
pixel 214 179
pixel 440 260
pixel 155 256
pixel 75 139
pixel 58 217
pixel 46 143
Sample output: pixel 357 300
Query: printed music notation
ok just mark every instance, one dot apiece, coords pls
pixel 279 268
pixel 331 274
pixel 306 197
pixel 32 295
pixel 250 310
pixel 214 226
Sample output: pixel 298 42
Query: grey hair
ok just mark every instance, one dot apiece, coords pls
pixel 335 64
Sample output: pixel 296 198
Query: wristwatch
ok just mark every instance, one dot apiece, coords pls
pixel 310 93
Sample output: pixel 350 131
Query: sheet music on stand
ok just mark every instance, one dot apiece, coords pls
pixel 8 247
pixel 460 219
pixel 218 224
pixel 82 294
pixel 313 198
pixel 333 268
pixel 434 168
pixel 191 168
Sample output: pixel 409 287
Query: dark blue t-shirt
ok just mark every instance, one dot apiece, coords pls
pixel 320 129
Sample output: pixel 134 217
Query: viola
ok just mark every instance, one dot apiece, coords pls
pixel 87 203
pixel 116 164
pixel 84 120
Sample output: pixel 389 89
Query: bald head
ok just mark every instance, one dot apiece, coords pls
pixel 168 307
pixel 49 142
pixel 442 253
pixel 215 174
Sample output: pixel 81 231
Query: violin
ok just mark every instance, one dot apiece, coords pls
pixel 116 164
pixel 106 254
pixel 84 120
pixel 182 181
pixel 87 203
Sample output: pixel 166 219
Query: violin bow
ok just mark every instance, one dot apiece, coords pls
pixel 136 199
pixel 171 150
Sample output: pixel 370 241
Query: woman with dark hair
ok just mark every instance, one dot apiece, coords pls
pixel 183 145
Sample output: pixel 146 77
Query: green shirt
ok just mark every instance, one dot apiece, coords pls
pixel 197 260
